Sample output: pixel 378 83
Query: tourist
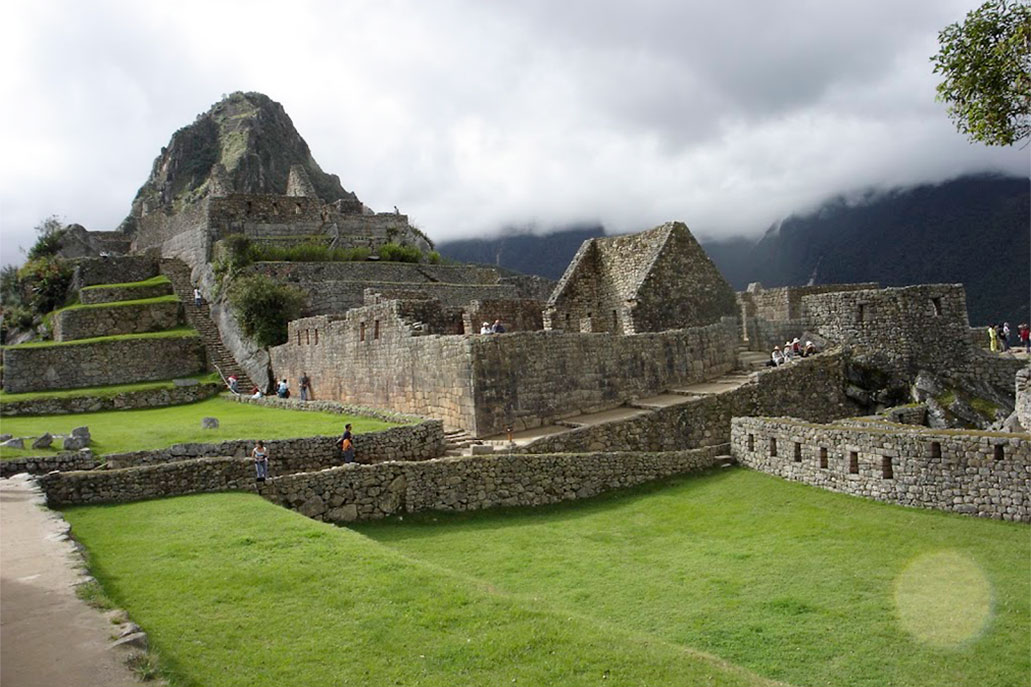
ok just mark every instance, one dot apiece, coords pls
pixel 260 455
pixel 485 329
pixel 1025 337
pixel 305 386
pixel 283 390
pixel 346 444
pixel 197 300
pixel 256 393
pixel 1004 337
pixel 498 328
pixel 796 348
pixel 234 384
pixel 993 338
pixel 776 358
pixel 810 349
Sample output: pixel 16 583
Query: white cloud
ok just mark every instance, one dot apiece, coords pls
pixel 474 116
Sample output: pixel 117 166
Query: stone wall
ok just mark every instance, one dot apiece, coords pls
pixel 374 356
pixel 773 316
pixel 286 456
pixel 519 315
pixel 116 318
pixel 101 363
pixel 40 465
pixel 812 388
pixel 113 270
pixel 159 231
pixel 979 473
pixel 93 295
pixel 128 400
pixel 1023 391
pixel 902 329
pixel 361 492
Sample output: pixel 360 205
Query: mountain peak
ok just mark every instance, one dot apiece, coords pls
pixel 245 143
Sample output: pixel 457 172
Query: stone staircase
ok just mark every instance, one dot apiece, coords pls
pixel 199 317
pixel 458 442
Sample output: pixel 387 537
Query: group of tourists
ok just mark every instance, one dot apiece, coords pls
pixel 496 328
pixel 260 453
pixel 282 388
pixel 999 337
pixel 791 350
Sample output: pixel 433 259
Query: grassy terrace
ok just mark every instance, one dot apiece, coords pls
pixel 178 332
pixel 779 580
pixel 153 281
pixel 103 391
pixel 132 430
pixel 171 298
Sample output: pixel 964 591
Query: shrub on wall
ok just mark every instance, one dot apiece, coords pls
pixel 45 283
pixel 264 307
pixel 397 253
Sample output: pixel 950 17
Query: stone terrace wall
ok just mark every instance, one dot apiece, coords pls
pixel 407 443
pixel 978 473
pixel 101 363
pixel 337 297
pixel 108 294
pixel 485 384
pixel 41 465
pixel 362 492
pixel 903 329
pixel 474 483
pixel 812 388
pixel 113 270
pixel 143 398
pixel 116 318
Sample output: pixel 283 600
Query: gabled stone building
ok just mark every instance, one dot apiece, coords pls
pixel 647 282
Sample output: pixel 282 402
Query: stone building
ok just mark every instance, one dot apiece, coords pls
pixel 647 282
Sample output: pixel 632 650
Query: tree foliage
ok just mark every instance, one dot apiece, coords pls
pixel 985 62
pixel 51 232
pixel 264 307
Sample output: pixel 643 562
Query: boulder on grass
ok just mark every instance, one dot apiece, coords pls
pixel 209 423
pixel 43 441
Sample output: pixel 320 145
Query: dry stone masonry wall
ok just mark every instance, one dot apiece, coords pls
pixel 113 270
pixel 978 473
pixel 40 465
pixel 115 318
pixel 110 293
pixel 101 363
pixel 188 391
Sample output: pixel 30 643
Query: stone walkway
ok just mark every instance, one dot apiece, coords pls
pixel 48 636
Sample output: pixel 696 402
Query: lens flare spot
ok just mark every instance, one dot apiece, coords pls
pixel 943 599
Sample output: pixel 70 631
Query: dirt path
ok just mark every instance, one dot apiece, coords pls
pixel 48 636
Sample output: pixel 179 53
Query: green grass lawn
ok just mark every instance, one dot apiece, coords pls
pixel 153 281
pixel 179 332
pixel 103 391
pixel 171 298
pixel 118 431
pixel 236 592
pixel 633 588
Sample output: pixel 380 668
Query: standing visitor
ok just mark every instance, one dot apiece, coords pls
pixel 1005 337
pixel 234 384
pixel 1025 337
pixel 196 297
pixel 346 444
pixel 260 455
pixel 305 386
pixel 993 338
pixel 283 390
pixel 498 328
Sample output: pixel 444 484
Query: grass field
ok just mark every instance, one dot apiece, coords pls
pixel 784 581
pixel 104 391
pixel 132 430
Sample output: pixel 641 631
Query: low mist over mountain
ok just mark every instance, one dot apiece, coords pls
pixel 975 230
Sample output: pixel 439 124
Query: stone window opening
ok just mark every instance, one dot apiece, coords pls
pixel 569 317
pixel 615 321
pixel 751 442
pixel 773 447
pixel 1000 453
pixel 297 208
pixel 275 208
pixel 862 312
pixel 298 337
pixel 886 470
pixel 316 337
pixel 249 207
pixel 936 449
pixel 375 329
pixel 936 303
pixel 798 452
pixel 823 458
pixel 361 332
pixel 307 336
pixel 853 462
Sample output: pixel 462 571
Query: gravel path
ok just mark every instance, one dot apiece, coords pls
pixel 48 636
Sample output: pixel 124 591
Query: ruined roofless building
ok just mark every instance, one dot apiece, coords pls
pixel 646 282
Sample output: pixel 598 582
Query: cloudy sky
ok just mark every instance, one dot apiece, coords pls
pixel 475 115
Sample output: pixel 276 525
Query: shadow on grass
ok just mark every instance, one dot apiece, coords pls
pixel 426 524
